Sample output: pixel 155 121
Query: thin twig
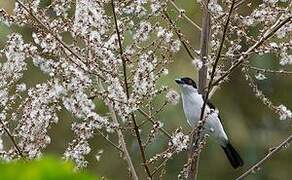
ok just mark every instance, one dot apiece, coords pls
pixel 179 35
pixel 12 140
pixel 159 167
pixel 184 15
pixel 245 55
pixel 136 128
pixel 150 118
pixel 110 142
pixel 283 72
pixel 122 141
pixel 55 36
pixel 267 157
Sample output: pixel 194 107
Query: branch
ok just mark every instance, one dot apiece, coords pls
pixel 193 169
pixel 122 141
pixel 12 140
pixel 179 35
pixel 110 142
pixel 123 144
pixel 136 128
pixel 245 55
pixel 194 160
pixel 205 36
pixel 64 45
pixel 267 157
pixel 184 15
pixel 150 118
pixel 283 72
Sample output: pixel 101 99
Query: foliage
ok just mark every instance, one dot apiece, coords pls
pixel 46 168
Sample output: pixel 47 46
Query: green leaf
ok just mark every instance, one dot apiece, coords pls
pixel 47 168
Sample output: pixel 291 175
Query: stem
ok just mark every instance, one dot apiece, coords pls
pixel 179 35
pixel 194 160
pixel 122 141
pixel 136 128
pixel 12 140
pixel 245 55
pixel 110 142
pixel 267 157
pixel 150 118
pixel 184 15
pixel 205 33
pixel 193 169
pixel 123 144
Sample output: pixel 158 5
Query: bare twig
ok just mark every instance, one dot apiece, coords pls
pixel 136 128
pixel 159 167
pixel 263 70
pixel 12 140
pixel 110 142
pixel 184 15
pixel 267 157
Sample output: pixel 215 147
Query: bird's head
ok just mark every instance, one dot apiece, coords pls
pixel 187 84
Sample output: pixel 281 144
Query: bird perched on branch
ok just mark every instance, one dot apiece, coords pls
pixel 192 104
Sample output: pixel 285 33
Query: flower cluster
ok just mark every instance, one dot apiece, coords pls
pixel 179 141
pixel 284 112
pixel 172 97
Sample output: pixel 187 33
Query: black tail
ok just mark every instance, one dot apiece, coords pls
pixel 232 156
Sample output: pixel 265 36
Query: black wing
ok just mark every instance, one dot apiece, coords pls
pixel 212 106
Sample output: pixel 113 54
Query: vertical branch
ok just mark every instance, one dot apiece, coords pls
pixel 204 41
pixel 122 141
pixel 196 133
pixel 136 128
pixel 205 33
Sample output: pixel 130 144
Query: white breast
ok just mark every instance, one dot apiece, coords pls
pixel 192 104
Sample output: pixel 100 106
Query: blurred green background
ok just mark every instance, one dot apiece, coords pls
pixel 253 129
pixel 48 168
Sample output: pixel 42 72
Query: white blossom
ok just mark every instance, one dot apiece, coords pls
pixel 164 34
pixel 20 87
pixel 284 112
pixel 179 141
pixel 142 33
pixel 260 77
pixel 172 97
pixel 197 63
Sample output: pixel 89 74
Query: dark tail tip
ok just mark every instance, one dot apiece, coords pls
pixel 233 156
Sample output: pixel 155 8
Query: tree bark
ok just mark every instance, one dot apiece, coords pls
pixel 204 42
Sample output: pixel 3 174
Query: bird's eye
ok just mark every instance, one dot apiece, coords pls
pixel 189 82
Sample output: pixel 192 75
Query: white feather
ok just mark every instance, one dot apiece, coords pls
pixel 192 104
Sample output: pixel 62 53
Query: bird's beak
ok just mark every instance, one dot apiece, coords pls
pixel 178 81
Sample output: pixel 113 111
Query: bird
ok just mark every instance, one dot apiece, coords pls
pixel 193 102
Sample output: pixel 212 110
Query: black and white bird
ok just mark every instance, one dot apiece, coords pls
pixel 192 105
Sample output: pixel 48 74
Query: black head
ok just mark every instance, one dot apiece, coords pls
pixel 186 80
